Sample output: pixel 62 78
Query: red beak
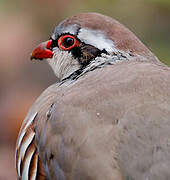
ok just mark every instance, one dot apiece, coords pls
pixel 42 51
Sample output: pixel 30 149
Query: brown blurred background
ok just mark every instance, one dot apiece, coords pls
pixel 25 23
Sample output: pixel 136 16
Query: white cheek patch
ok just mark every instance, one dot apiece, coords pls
pixel 97 39
pixel 62 63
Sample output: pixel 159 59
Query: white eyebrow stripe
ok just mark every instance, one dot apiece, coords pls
pixel 59 30
pixel 96 38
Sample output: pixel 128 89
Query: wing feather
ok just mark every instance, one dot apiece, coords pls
pixel 28 163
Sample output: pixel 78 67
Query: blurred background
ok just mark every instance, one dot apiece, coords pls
pixel 26 23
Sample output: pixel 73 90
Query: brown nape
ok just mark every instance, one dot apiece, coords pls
pixel 123 38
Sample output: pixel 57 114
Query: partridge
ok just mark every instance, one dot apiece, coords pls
pixel 108 117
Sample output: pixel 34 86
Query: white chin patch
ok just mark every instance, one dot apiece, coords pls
pixel 97 39
pixel 63 64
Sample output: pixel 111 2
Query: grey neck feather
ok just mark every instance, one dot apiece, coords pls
pixel 99 62
pixel 111 59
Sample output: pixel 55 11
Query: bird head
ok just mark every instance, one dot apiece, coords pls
pixel 83 38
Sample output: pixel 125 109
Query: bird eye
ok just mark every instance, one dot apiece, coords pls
pixel 67 42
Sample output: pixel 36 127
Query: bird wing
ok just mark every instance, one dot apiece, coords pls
pixel 28 163
pixel 27 160
pixel 104 124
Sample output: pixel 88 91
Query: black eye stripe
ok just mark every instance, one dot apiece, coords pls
pixel 54 43
pixel 82 51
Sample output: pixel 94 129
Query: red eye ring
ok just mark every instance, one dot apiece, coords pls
pixel 62 42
